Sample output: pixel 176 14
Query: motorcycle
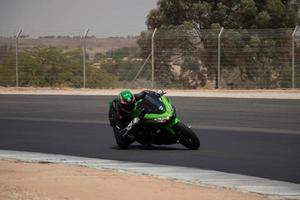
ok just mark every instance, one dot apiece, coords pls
pixel 155 122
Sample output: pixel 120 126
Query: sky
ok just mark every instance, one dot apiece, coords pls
pixel 104 18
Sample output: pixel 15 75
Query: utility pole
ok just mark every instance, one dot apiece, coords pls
pixel 293 57
pixel 17 58
pixel 152 45
pixel 219 57
pixel 84 55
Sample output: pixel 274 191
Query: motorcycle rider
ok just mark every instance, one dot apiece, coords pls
pixel 120 116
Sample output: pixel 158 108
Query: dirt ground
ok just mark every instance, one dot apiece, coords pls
pixel 32 181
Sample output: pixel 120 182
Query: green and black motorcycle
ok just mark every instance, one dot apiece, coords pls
pixel 159 124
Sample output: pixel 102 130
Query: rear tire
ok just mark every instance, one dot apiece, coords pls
pixel 186 136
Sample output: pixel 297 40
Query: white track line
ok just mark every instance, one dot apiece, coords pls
pixel 182 174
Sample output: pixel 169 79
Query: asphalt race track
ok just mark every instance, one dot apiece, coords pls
pixel 256 137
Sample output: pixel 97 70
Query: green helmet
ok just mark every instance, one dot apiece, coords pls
pixel 126 100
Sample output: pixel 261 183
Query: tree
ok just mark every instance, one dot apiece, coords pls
pixel 7 66
pixel 50 67
pixel 191 18
pixel 231 14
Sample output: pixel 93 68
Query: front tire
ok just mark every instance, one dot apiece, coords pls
pixel 186 136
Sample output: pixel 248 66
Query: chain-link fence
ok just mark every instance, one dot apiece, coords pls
pixel 182 58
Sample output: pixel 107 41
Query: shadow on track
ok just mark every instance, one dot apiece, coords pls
pixel 151 148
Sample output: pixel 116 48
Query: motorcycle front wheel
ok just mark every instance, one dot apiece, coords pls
pixel 186 136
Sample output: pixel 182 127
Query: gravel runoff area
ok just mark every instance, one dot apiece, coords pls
pixel 36 181
pixel 30 181
pixel 263 93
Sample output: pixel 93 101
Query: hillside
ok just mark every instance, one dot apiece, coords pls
pixel 92 43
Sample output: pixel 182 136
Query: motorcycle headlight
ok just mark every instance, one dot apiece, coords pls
pixel 162 119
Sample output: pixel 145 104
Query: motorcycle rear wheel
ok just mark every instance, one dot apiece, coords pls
pixel 186 136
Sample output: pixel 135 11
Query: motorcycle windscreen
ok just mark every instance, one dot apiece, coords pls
pixel 152 104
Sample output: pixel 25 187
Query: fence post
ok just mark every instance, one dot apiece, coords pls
pixel 293 57
pixel 84 55
pixel 152 45
pixel 219 57
pixel 17 58
pixel 140 70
